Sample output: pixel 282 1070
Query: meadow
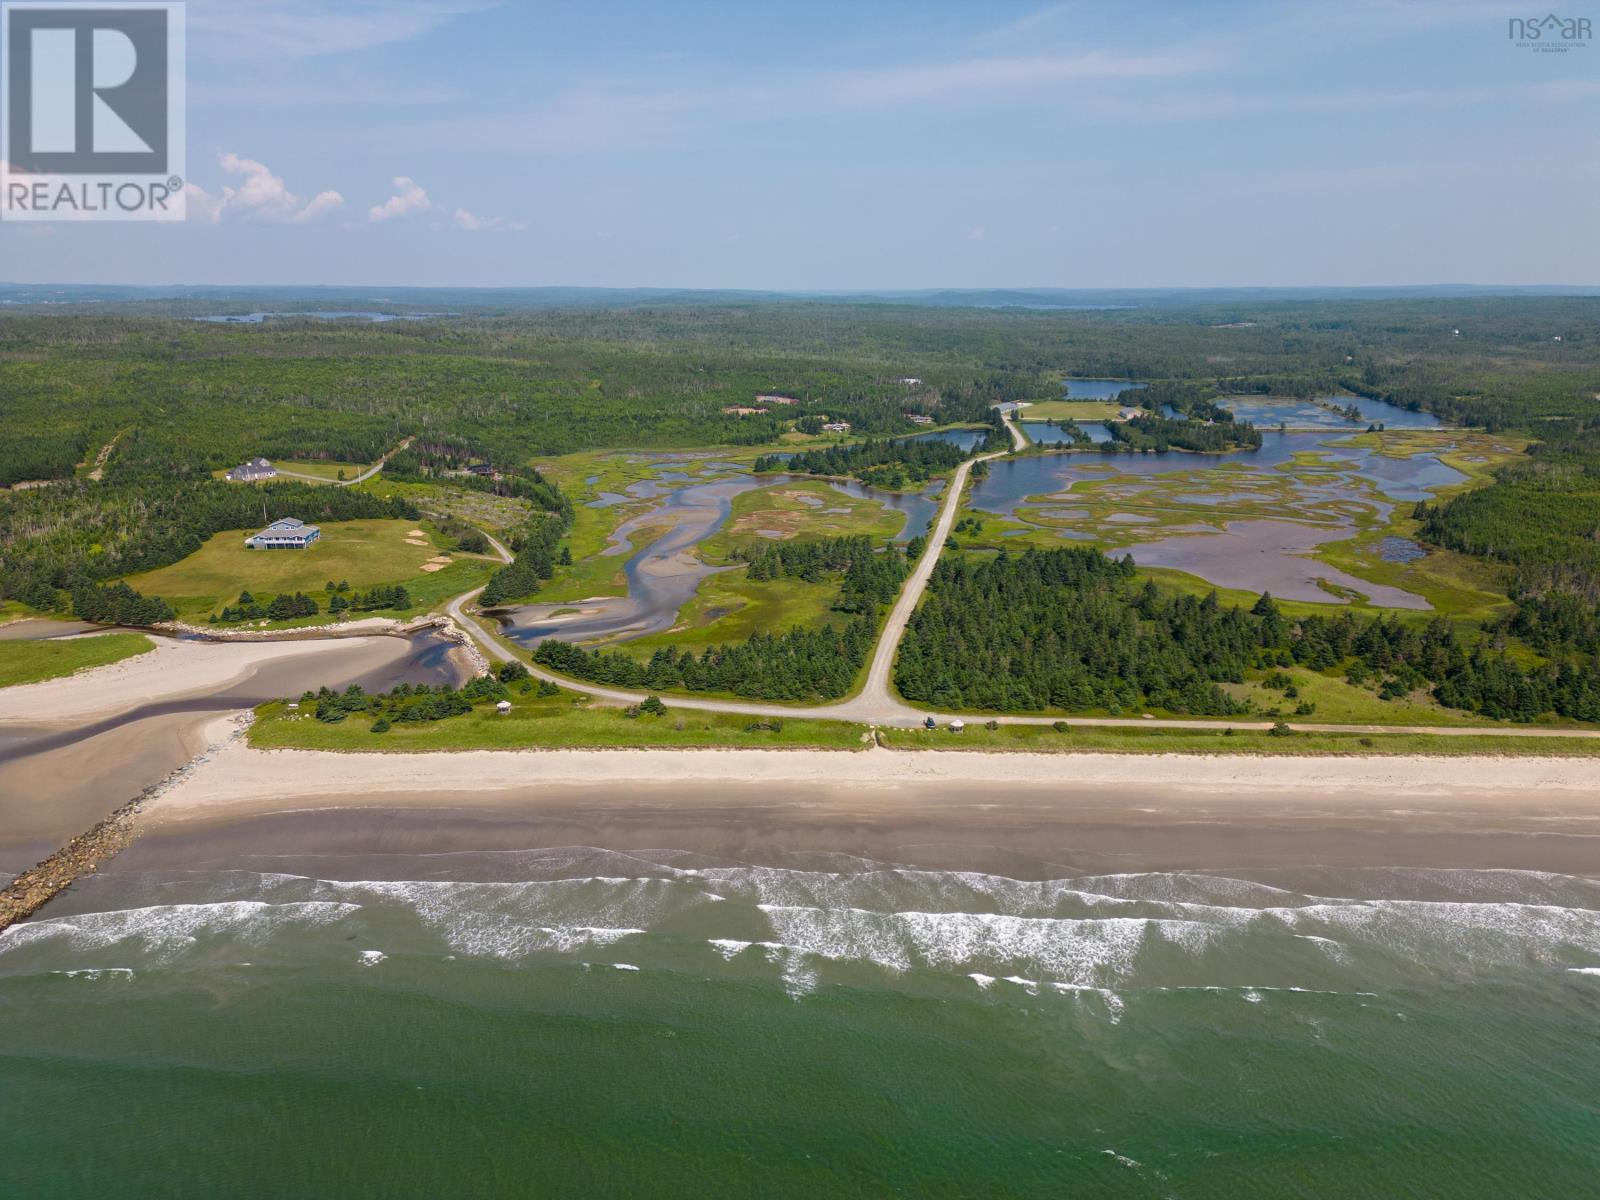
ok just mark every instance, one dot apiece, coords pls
pixel 31 661
pixel 554 722
pixel 360 553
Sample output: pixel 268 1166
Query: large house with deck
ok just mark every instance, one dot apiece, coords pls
pixel 287 534
pixel 256 468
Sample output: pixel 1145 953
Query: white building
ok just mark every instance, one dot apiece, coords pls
pixel 287 534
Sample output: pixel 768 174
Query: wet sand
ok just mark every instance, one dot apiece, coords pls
pixel 73 749
pixel 994 812
pixel 1021 831
pixel 179 668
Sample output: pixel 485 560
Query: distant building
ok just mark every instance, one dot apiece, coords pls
pixel 483 469
pixel 740 410
pixel 770 399
pixel 1127 414
pixel 836 427
pixel 919 418
pixel 256 468
pixel 910 381
pixel 287 534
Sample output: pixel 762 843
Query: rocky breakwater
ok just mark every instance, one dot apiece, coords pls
pixel 84 854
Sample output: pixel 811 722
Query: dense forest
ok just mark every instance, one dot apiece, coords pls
pixel 871 577
pixel 1541 518
pixel 882 463
pixel 1069 630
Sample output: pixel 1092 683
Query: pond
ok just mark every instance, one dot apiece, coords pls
pixel 1272 411
pixel 257 318
pixel 965 438
pixel 1045 433
pixel 1097 389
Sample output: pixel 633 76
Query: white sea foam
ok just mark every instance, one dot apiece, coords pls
pixel 94 973
pixel 1584 970
pixel 371 958
pixel 1087 952
pixel 984 982
pixel 166 930
pixel 625 966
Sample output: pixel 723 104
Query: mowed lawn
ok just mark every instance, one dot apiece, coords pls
pixel 324 470
pixel 29 662
pixel 362 553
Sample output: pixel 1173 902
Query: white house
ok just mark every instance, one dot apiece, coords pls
pixel 287 534
pixel 503 707
pixel 837 427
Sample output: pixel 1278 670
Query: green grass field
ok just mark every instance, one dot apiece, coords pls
pixel 29 662
pixel 1116 740
pixel 551 723
pixel 1071 410
pixel 560 723
pixel 362 553
pixel 324 470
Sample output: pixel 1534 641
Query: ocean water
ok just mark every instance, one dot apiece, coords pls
pixel 580 1021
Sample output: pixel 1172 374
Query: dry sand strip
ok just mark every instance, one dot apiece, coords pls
pixel 240 781
pixel 172 669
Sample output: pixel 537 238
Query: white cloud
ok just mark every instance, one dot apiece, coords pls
pixel 978 76
pixel 408 198
pixel 297 28
pixel 473 223
pixel 262 197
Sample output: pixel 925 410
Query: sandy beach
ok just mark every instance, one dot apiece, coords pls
pixel 73 749
pixel 245 779
pixel 174 668
pixel 937 807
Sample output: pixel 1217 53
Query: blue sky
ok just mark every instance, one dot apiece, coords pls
pixel 825 145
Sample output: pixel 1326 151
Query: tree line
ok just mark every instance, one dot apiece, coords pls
pixel 882 462
pixel 1069 630
pixel 800 665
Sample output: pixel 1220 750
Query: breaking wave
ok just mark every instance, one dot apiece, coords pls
pixel 838 919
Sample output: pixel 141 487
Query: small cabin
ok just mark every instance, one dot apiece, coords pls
pixel 958 726
pixel 503 707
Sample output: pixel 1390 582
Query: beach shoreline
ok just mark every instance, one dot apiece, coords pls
pixel 243 782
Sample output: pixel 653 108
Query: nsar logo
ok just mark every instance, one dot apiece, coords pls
pixel 1550 34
